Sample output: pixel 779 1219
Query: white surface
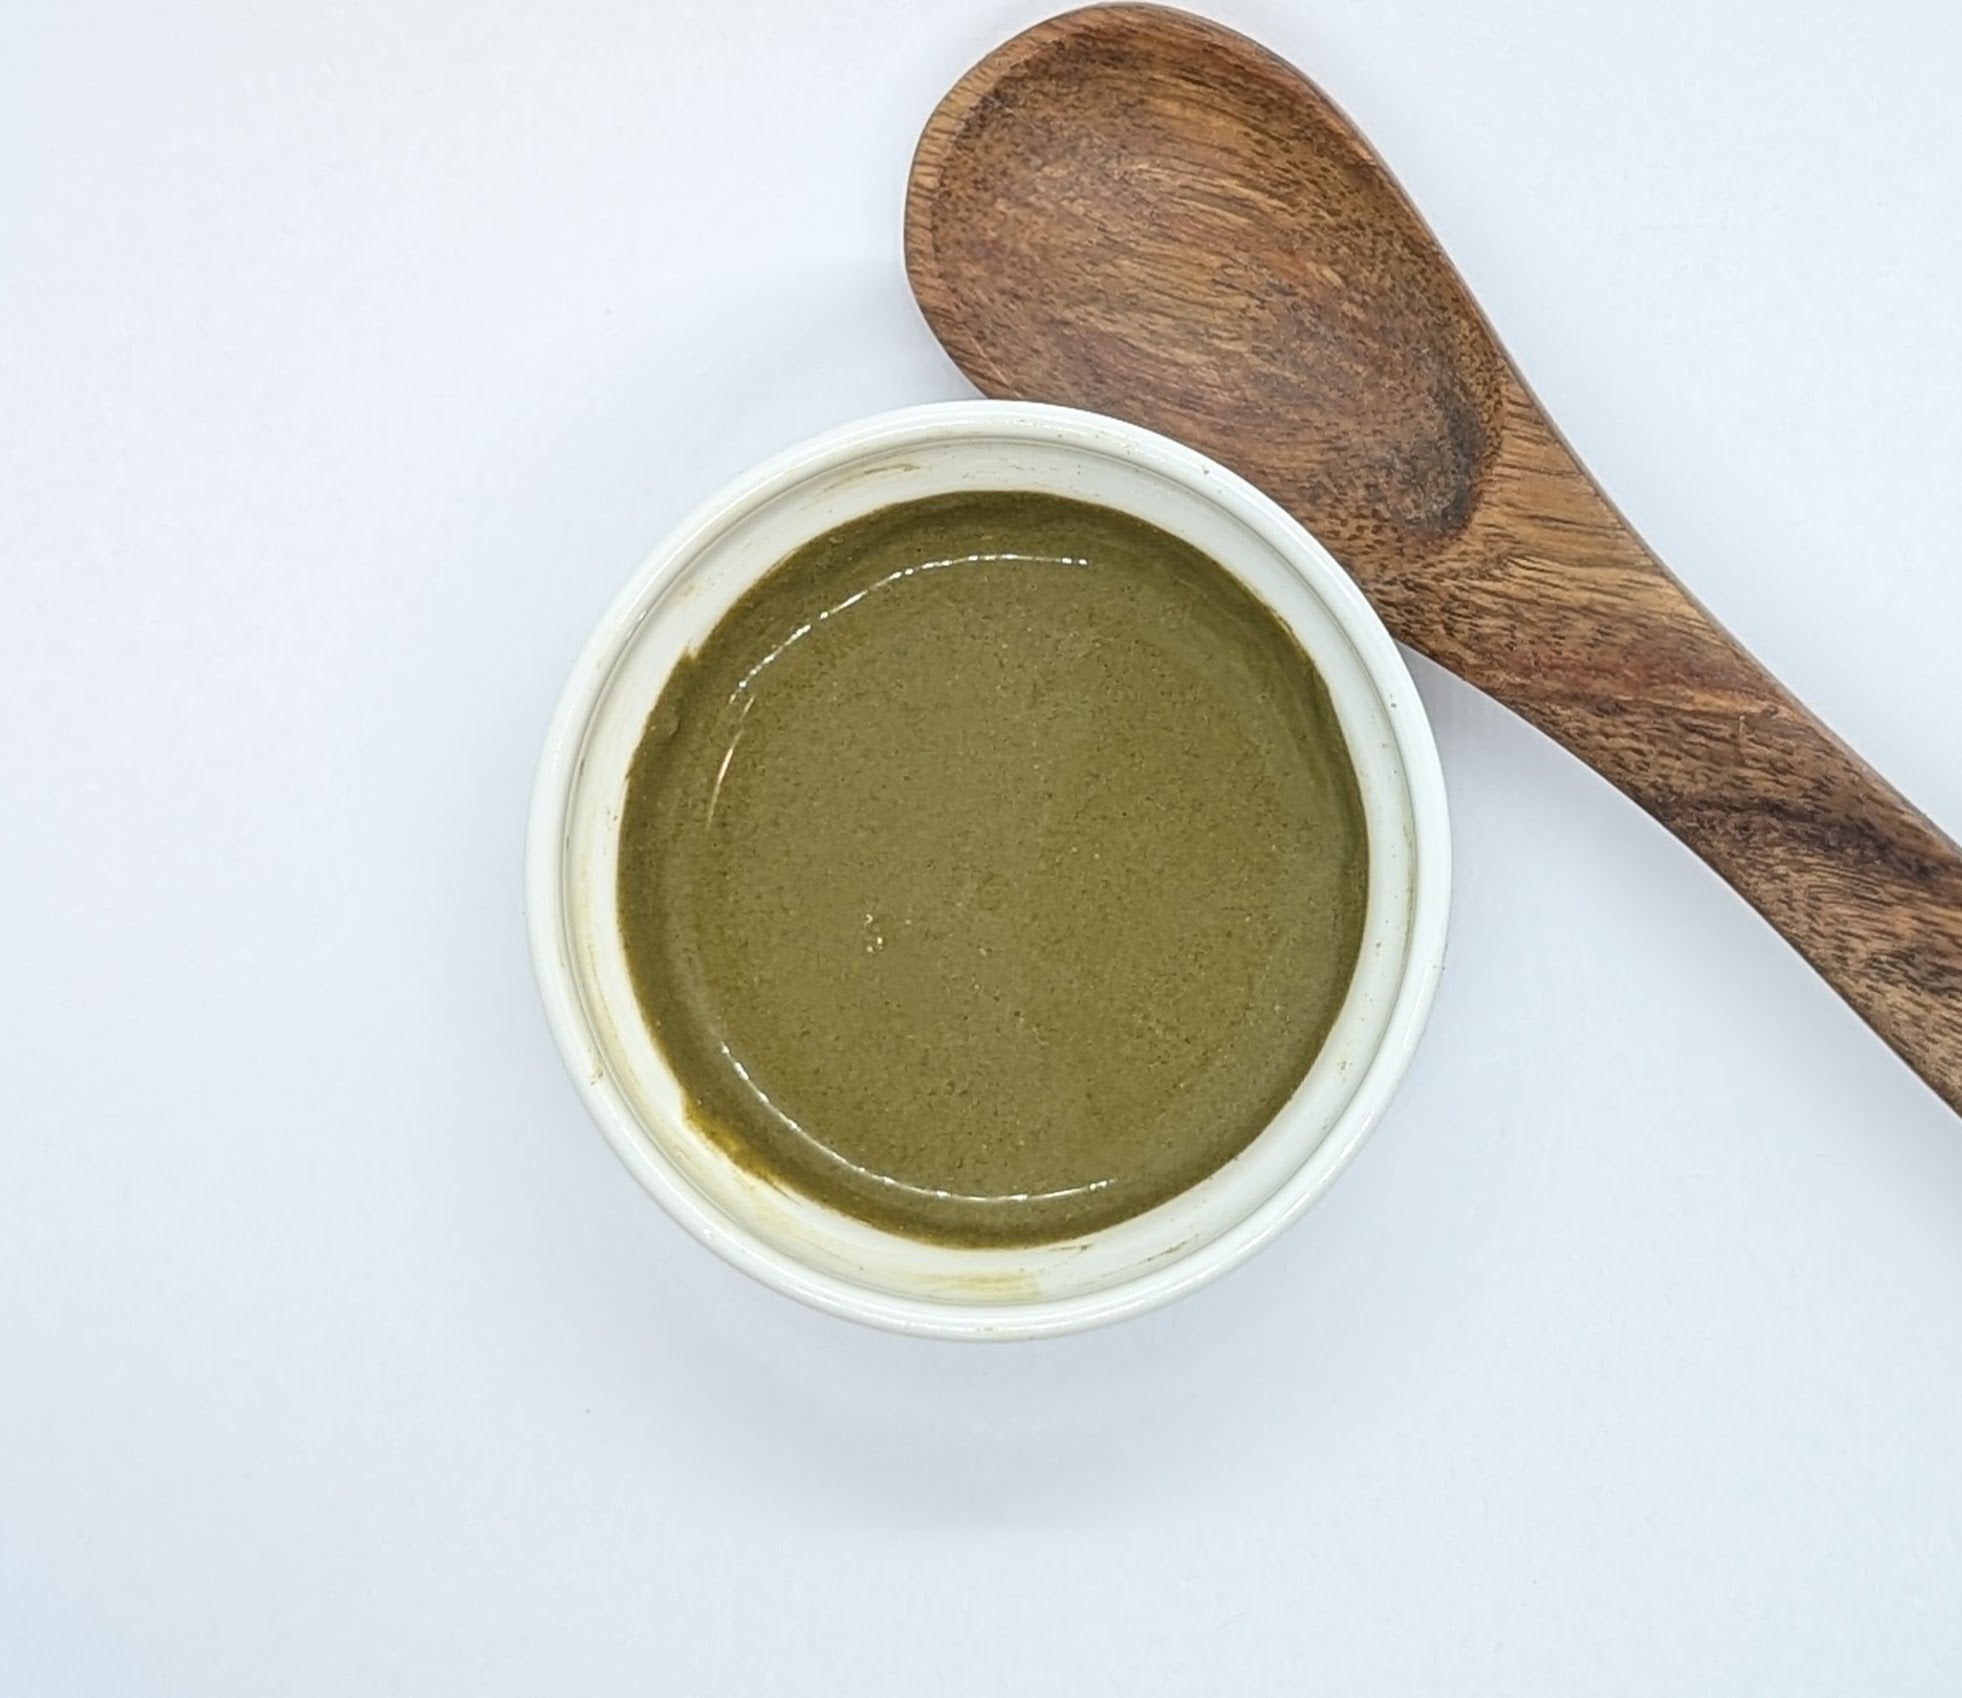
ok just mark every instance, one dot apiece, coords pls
pixel 668 609
pixel 350 357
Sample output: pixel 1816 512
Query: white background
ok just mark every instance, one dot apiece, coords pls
pixel 350 356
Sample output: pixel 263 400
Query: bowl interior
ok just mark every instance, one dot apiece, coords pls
pixel 672 604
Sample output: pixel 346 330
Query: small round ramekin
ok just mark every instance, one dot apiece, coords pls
pixel 683 588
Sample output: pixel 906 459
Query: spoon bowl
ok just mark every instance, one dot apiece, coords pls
pixel 1292 269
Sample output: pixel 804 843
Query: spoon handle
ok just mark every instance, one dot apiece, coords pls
pixel 1564 614
pixel 1861 883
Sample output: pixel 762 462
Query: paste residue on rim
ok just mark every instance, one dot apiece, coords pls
pixel 994 871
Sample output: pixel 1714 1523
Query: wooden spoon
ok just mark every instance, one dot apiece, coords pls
pixel 1136 211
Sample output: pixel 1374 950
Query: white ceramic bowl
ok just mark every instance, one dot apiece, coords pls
pixel 674 600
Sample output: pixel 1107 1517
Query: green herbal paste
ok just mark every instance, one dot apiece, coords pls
pixel 994 871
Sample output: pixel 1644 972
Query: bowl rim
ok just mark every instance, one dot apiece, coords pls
pixel 1429 894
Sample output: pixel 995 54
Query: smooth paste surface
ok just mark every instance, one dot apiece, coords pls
pixel 994 871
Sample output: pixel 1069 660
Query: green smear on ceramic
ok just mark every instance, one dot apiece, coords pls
pixel 994 871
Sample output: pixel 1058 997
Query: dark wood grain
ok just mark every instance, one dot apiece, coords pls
pixel 1133 210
